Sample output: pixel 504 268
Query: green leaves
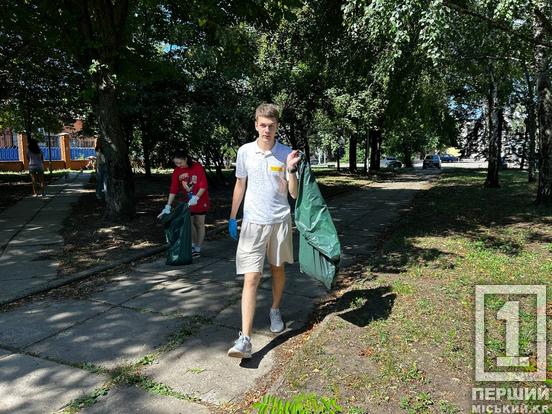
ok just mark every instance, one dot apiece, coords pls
pixel 300 404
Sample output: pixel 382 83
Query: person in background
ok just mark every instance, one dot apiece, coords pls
pixel 36 167
pixel 189 178
pixel 101 172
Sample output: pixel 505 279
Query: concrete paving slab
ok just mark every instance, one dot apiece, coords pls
pixel 49 216
pixel 295 312
pixel 127 400
pixel 30 323
pixel 24 209
pixel 147 277
pixel 158 266
pixel 120 291
pixel 110 339
pixel 186 298
pixel 222 271
pixel 201 367
pixel 38 238
pixel 31 385
pixel 62 202
pixel 28 253
pixel 225 248
pixel 14 287
pixel 34 223
pixel 26 270
pixel 56 208
pixel 7 232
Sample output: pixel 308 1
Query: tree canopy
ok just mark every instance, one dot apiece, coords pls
pixel 382 77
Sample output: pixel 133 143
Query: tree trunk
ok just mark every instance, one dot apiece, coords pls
pixel 366 154
pixel 146 145
pixel 494 145
pixel 353 140
pixel 530 127
pixel 523 155
pixel 28 121
pixel 407 150
pixel 500 130
pixel 544 116
pixel 50 168
pixel 120 183
pixel 306 149
pixel 375 142
pixel 292 136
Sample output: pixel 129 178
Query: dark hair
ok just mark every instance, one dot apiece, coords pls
pixel 183 155
pixel 33 146
pixel 98 145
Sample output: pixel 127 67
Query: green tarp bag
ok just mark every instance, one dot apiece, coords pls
pixel 178 232
pixel 319 247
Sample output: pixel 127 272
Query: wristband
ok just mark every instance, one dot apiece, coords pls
pixel 292 170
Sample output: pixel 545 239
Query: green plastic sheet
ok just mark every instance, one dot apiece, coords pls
pixel 319 247
pixel 178 232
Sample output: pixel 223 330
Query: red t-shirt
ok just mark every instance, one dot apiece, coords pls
pixel 194 177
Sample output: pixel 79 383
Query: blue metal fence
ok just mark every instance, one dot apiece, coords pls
pixel 78 153
pixel 56 153
pixel 9 154
pixel 81 153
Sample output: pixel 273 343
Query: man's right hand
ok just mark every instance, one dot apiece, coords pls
pixel 233 228
pixel 166 210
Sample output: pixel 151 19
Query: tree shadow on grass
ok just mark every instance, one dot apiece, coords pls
pixel 368 305
pixel 459 205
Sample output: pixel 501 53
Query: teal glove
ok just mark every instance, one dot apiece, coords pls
pixel 233 228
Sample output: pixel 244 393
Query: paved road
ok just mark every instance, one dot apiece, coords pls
pixel 53 350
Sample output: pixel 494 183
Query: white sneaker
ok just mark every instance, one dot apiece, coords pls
pixel 276 322
pixel 241 348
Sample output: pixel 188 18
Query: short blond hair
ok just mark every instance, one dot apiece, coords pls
pixel 267 110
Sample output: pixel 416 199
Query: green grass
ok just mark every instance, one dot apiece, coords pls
pixel 24 176
pixel 420 358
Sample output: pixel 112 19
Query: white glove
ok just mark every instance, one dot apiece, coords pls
pixel 193 200
pixel 166 210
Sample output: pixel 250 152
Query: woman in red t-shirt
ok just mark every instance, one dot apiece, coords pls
pixel 189 178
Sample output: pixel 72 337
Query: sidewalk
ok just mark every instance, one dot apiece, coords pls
pixel 29 237
pixel 182 318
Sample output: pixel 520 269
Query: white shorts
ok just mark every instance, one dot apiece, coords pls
pixel 260 240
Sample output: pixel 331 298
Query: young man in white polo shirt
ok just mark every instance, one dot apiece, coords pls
pixel 266 169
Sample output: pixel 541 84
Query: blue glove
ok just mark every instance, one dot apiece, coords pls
pixel 233 228
pixel 193 200
pixel 166 210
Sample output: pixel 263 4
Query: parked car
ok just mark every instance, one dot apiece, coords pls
pixel 448 158
pixel 432 161
pixel 390 162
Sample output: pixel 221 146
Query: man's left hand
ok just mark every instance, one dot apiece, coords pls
pixel 292 160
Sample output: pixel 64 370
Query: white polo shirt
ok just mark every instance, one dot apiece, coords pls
pixel 266 199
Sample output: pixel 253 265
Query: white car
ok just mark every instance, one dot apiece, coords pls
pixel 390 162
